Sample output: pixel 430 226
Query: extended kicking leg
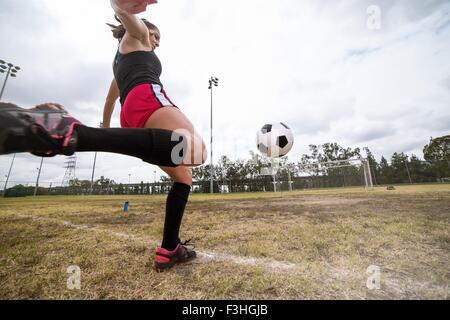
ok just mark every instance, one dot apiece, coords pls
pixel 48 130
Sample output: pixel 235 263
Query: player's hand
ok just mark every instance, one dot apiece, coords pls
pixel 133 6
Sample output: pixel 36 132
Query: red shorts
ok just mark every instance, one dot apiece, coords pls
pixel 141 102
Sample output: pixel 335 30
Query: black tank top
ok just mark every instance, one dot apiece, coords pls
pixel 136 68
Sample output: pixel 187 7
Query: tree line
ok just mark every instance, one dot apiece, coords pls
pixel 245 175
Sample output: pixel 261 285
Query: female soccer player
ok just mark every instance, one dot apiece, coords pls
pixel 145 104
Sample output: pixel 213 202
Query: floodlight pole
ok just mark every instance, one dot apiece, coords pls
pixel 4 82
pixel 211 167
pixel 12 70
pixel 213 82
pixel 9 173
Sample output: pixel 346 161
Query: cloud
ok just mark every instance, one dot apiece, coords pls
pixel 446 83
pixel 313 64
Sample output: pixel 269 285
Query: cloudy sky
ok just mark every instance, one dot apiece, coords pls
pixel 361 73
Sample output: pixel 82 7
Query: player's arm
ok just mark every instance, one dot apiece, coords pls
pixel 126 11
pixel 110 103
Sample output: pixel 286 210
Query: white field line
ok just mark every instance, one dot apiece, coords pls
pixel 405 286
pixel 268 264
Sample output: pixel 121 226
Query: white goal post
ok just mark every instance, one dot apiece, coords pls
pixel 320 168
pixel 357 162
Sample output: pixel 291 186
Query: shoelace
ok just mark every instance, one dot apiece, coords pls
pixel 187 243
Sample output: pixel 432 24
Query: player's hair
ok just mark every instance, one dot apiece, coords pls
pixel 119 31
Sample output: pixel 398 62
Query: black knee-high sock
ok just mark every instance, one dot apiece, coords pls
pixel 175 205
pixel 155 146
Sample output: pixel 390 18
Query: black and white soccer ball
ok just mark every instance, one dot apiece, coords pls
pixel 275 140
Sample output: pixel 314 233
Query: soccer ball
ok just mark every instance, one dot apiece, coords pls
pixel 275 140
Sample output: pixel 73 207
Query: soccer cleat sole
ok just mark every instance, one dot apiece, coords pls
pixel 161 267
pixel 7 133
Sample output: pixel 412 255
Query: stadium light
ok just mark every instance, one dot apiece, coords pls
pixel 213 82
pixel 11 70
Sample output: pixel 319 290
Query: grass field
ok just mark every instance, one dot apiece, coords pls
pixel 300 245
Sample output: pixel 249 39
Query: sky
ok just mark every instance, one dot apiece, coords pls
pixel 360 73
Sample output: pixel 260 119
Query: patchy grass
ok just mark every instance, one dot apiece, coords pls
pixel 315 244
